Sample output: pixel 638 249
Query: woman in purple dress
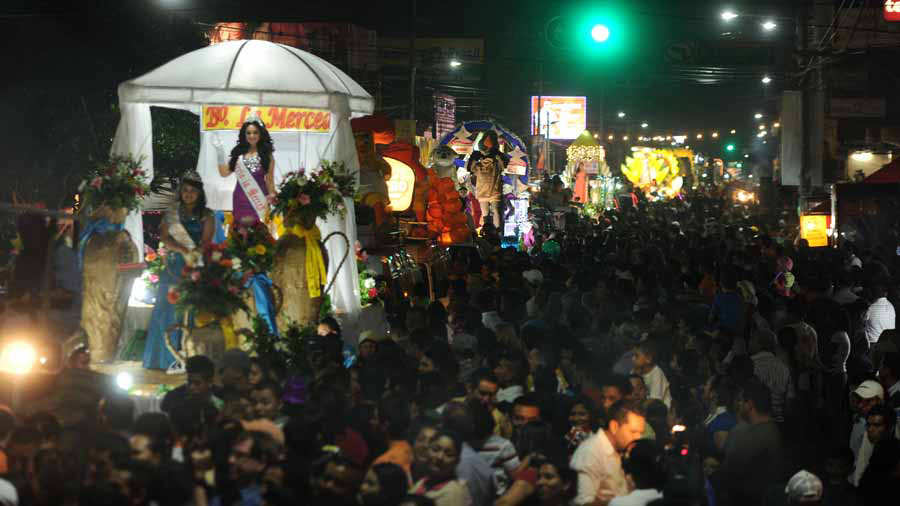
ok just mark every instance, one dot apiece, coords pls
pixel 253 153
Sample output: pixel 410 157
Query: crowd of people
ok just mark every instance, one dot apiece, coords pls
pixel 673 355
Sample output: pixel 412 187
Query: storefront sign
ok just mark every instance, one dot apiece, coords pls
pixel 814 228
pixel 277 119
pixel 892 10
pixel 858 108
pixel 562 117
pixel 444 114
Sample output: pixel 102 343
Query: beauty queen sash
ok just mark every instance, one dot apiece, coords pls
pixel 251 188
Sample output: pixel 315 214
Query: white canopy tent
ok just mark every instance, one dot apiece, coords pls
pixel 254 73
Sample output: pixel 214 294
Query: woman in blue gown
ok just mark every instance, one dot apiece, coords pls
pixel 199 224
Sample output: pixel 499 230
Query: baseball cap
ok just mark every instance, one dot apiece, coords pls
pixel 804 487
pixel 868 389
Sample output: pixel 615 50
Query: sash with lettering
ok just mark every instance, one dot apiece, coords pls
pixel 251 188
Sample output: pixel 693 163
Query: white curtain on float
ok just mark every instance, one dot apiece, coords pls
pixel 255 73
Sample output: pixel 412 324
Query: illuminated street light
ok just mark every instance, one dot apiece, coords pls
pixel 699 136
pixel 762 127
pixel 644 125
pixel 776 125
pixel 624 137
pixel 715 135
pixel 758 115
pixel 761 134
pixel 733 131
pixel 769 25
pixel 621 114
pixel 600 33
pixel 455 63
pixel 611 137
pixel 766 80
pixel 729 15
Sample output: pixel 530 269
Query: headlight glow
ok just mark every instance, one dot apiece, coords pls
pixel 18 357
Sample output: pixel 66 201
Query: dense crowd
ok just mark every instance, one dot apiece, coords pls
pixel 674 354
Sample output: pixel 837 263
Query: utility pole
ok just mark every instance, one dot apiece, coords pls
pixel 412 62
pixel 813 89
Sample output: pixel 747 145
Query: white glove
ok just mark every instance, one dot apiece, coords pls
pixel 220 149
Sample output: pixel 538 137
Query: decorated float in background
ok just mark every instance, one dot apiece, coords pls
pixel 655 172
pixel 465 138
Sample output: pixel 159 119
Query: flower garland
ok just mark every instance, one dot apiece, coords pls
pixel 288 350
pixel 156 264
pixel 118 183
pixel 303 198
pixel 211 283
pixel 369 287
pixel 253 246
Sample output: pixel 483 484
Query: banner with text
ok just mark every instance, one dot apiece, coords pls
pixel 277 119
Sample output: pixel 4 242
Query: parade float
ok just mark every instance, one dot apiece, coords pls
pixel 588 176
pixel 464 139
pixel 655 172
pixel 306 104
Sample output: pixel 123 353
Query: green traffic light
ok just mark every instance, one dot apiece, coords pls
pixel 600 33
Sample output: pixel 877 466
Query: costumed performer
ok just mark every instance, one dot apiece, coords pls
pixel 486 166
pixel 187 225
pixel 253 163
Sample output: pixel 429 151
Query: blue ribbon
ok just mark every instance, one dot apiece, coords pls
pixel 219 236
pixel 261 285
pixel 101 226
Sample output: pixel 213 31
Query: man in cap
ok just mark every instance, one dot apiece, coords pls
pixel 804 488
pixel 866 396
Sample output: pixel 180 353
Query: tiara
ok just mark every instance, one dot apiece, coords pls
pixel 254 116
pixel 192 176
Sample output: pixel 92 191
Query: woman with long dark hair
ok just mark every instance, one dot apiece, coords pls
pixel 188 221
pixel 253 154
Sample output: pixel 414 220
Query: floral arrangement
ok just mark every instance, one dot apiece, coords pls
pixel 369 287
pixel 156 264
pixel 287 350
pixel 254 246
pixel 302 198
pixel 210 284
pixel 117 183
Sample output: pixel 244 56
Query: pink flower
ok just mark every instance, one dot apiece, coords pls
pixel 154 278
pixel 303 199
pixel 195 276
pixel 373 292
pixel 97 182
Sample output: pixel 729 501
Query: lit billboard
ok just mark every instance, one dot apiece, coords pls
pixel 563 117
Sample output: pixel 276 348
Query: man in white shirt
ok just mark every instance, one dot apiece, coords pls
pixel 880 316
pixel 598 459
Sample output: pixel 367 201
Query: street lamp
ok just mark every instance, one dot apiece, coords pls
pixel 733 131
pixel 728 15
pixel 766 80
pixel 715 135
pixel 644 125
pixel 611 137
pixel 455 63
pixel 758 115
pixel 621 114
pixel 769 25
